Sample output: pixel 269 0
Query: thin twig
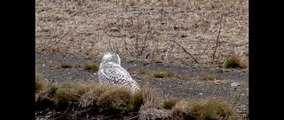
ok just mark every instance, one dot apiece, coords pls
pixel 48 47
pixel 144 46
pixel 205 48
pixel 217 39
pixel 134 117
pixel 136 44
pixel 150 53
pixel 89 50
pixel 125 44
pixel 195 60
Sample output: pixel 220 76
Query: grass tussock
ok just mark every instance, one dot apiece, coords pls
pixel 156 74
pixel 209 77
pixel 67 92
pixel 117 97
pixel 66 65
pixel 39 83
pixel 234 62
pixel 91 67
pixel 141 97
pixel 90 98
pixel 169 103
pixel 162 74
pixel 210 109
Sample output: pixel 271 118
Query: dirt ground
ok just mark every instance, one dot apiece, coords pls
pixel 147 29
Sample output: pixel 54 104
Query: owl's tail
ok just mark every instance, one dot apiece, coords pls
pixel 135 87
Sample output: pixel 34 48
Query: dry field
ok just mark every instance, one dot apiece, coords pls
pixel 168 30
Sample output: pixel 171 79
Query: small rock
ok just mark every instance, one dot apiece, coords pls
pixel 197 36
pixel 234 84
pixel 217 82
pixel 243 107
pixel 43 65
pixel 200 93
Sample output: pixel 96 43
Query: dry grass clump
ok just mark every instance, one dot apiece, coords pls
pixel 210 109
pixel 117 102
pixel 234 62
pixel 102 98
pixel 162 74
pixel 39 83
pixel 142 96
pixel 116 97
pixel 209 77
pixel 179 111
pixel 169 103
pixel 156 74
pixel 92 67
pixel 66 65
pixel 67 92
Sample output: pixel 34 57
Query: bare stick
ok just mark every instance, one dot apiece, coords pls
pixel 124 38
pixel 195 60
pixel 89 50
pixel 205 48
pixel 136 45
pixel 217 39
pixel 48 47
pixel 125 44
pixel 144 46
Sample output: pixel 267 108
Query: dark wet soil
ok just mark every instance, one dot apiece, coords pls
pixel 186 81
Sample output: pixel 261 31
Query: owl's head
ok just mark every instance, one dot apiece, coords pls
pixel 111 57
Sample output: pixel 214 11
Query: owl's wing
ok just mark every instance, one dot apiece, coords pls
pixel 117 75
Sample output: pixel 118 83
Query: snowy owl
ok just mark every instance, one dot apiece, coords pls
pixel 111 73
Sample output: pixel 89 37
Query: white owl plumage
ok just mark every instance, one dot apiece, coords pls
pixel 111 73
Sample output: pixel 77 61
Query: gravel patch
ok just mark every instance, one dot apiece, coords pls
pixel 233 87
